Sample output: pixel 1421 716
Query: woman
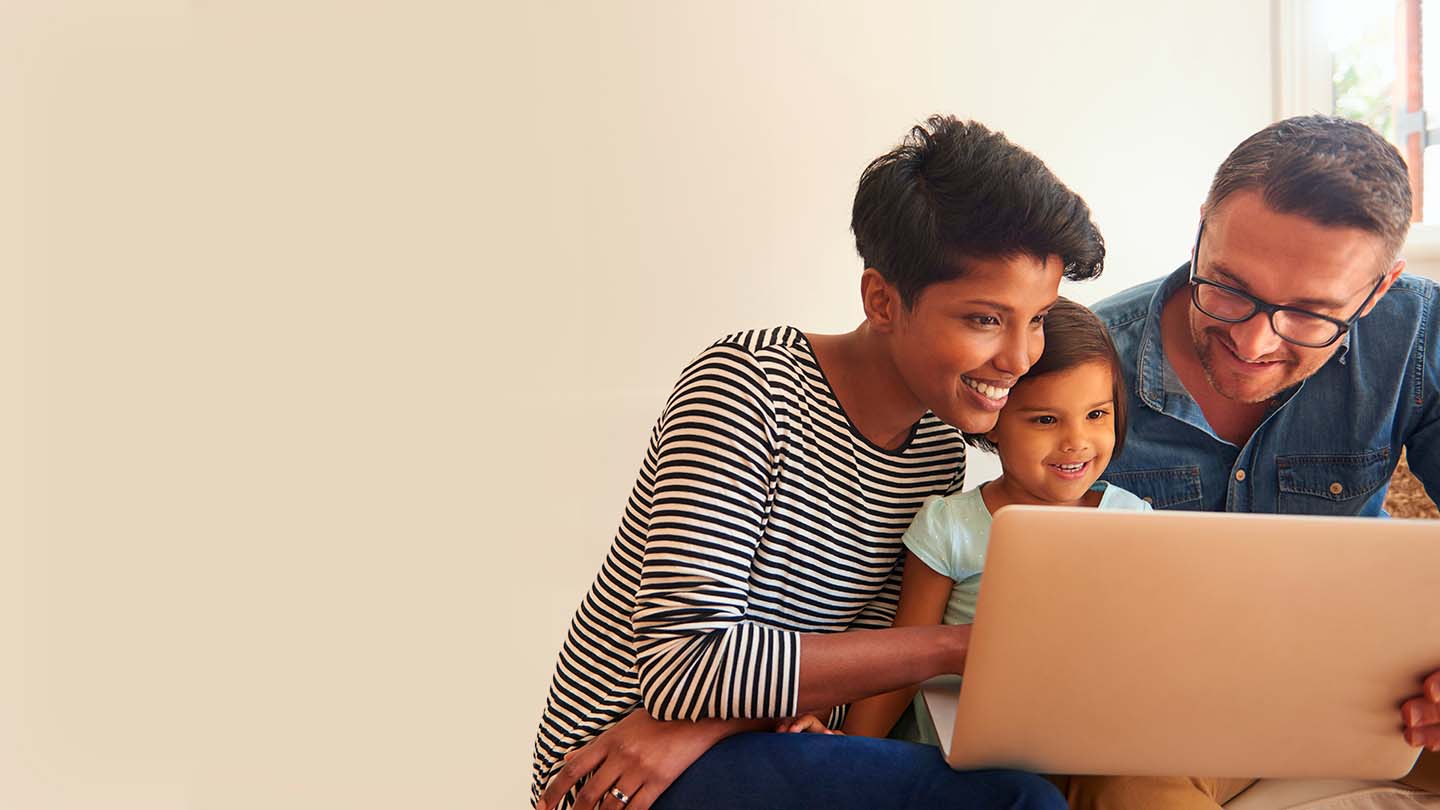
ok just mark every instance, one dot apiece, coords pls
pixel 754 574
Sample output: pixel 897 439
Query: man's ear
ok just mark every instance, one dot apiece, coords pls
pixel 1390 277
pixel 882 302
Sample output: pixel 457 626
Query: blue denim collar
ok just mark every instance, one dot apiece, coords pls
pixel 1151 365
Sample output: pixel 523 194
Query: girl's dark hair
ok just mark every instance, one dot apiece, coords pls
pixel 1074 336
pixel 954 191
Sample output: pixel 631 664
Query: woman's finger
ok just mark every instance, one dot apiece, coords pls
pixel 593 794
pixel 643 799
pixel 578 764
pixel 628 789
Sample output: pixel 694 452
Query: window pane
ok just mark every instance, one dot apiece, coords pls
pixel 1362 40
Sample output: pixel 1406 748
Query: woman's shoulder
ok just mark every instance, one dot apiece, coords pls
pixel 779 349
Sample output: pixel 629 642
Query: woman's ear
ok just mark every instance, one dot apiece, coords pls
pixel 881 300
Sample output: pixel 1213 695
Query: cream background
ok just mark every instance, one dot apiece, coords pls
pixel 331 333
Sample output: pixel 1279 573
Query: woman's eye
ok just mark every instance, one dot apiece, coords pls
pixel 985 320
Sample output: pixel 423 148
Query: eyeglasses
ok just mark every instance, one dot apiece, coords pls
pixel 1292 324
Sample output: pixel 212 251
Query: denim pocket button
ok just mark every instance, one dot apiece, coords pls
pixel 1331 483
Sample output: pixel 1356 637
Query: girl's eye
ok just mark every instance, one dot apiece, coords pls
pixel 1044 420
pixel 1098 413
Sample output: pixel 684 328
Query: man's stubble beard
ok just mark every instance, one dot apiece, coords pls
pixel 1208 341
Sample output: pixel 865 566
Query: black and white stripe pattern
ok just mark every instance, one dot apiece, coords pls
pixel 759 514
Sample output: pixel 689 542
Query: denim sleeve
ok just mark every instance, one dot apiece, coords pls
pixel 1422 445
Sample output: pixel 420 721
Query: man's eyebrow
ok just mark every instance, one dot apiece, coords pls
pixel 1232 280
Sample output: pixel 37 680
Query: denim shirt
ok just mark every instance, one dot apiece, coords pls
pixel 1330 444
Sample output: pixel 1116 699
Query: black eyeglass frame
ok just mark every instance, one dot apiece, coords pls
pixel 1258 306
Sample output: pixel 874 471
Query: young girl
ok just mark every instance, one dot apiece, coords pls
pixel 1058 430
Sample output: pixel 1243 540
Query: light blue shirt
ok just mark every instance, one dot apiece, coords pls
pixel 952 532
pixel 1330 444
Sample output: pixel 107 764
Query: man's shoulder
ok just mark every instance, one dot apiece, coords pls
pixel 1128 307
pixel 1411 289
pixel 1406 314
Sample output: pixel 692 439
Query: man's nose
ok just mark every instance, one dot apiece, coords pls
pixel 1255 338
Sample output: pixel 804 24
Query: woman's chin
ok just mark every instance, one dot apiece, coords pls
pixel 974 421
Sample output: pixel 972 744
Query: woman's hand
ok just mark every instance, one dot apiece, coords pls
pixel 805 723
pixel 637 757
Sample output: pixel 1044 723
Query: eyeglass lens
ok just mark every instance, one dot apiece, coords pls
pixel 1297 327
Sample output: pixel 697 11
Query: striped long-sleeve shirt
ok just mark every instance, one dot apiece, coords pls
pixel 759 513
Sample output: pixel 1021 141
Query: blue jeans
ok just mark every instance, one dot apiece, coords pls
pixel 762 771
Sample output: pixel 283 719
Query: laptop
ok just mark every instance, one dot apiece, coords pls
pixel 1196 644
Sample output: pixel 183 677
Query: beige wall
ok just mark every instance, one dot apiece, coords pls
pixel 338 328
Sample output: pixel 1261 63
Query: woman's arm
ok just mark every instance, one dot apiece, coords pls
pixel 924 593
pixel 698 655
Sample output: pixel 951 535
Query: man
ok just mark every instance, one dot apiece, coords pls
pixel 1285 367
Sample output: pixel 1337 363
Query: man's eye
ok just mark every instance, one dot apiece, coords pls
pixel 1038 320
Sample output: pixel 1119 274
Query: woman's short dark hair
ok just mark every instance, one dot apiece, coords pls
pixel 1330 170
pixel 954 190
pixel 1074 336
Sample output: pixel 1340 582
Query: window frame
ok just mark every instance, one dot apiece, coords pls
pixel 1302 84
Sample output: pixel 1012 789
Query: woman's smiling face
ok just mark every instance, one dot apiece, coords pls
pixel 965 343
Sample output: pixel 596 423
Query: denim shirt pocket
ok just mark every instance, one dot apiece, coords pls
pixel 1166 488
pixel 1331 483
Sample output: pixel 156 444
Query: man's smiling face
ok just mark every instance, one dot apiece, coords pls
pixel 1283 259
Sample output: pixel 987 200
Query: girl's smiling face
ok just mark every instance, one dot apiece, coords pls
pixel 1056 435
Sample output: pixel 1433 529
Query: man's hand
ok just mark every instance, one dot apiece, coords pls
pixel 639 757
pixel 1422 715
pixel 805 723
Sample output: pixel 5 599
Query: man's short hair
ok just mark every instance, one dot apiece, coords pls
pixel 1330 170
pixel 954 191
